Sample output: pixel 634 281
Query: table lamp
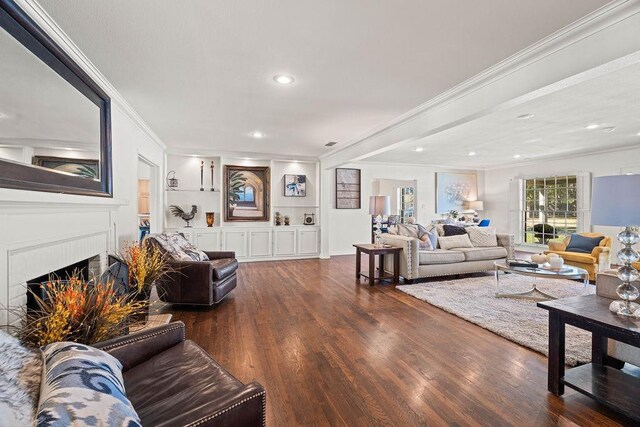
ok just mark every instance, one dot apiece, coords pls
pixel 475 206
pixel 378 207
pixel 616 202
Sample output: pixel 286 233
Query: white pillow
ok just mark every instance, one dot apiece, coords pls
pixel 482 236
pixel 453 242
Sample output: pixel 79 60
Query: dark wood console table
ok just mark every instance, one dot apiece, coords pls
pixel 372 251
pixel 601 381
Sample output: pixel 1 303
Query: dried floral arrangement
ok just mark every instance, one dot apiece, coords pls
pixel 146 266
pixel 78 311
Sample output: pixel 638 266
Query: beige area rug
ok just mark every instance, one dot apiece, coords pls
pixel 520 321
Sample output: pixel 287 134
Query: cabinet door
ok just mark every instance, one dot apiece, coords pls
pixel 285 242
pixel 208 241
pixel 260 243
pixel 307 242
pixel 236 241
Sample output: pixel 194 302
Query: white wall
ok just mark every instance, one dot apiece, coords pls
pixel 496 181
pixel 349 226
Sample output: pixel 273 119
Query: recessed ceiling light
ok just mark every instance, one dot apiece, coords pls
pixel 472 153
pixel 629 173
pixel 592 126
pixel 257 134
pixel 419 149
pixel 283 79
pixel 525 116
pixel 516 156
pixel 638 134
pixel 609 129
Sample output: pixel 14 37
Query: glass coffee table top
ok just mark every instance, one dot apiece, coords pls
pixel 567 272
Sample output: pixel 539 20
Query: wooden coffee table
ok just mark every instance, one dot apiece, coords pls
pixel 599 379
pixel 373 250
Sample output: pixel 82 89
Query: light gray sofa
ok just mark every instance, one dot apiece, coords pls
pixel 606 284
pixel 417 264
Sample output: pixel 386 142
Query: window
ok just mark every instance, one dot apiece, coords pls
pixel 550 208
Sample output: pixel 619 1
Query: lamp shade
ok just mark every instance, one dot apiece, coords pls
pixel 379 205
pixel 616 200
pixel 476 205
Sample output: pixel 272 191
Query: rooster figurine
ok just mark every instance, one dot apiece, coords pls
pixel 179 213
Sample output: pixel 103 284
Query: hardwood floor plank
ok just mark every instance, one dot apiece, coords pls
pixel 334 351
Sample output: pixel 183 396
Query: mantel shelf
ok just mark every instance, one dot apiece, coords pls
pixel 301 206
pixel 191 191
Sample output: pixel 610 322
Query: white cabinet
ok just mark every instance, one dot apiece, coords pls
pixel 208 240
pixel 260 243
pixel 285 241
pixel 308 241
pixel 235 240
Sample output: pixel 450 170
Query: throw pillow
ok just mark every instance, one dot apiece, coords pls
pixel 583 244
pixel 20 376
pixel 454 242
pixel 433 238
pixel 408 230
pixel 83 386
pixel 393 230
pixel 482 236
pixel 453 230
pixel 178 248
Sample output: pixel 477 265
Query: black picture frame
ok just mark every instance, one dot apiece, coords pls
pixel 348 188
pixel 27 177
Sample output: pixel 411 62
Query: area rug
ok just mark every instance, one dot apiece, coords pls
pixel 520 321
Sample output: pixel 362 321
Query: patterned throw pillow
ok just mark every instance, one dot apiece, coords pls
pixel 408 230
pixel 83 386
pixel 454 242
pixel 178 248
pixel 482 236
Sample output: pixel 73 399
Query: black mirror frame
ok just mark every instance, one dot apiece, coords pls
pixel 25 177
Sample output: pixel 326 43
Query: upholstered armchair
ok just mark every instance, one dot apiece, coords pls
pixel 197 277
pixel 577 259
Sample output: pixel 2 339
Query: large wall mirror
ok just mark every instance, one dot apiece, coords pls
pixel 54 120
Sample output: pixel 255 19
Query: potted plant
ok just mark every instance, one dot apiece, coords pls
pixel 544 232
pixel 77 311
pixel 146 265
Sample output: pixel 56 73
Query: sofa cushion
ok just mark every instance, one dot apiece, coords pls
pixel 480 254
pixel 223 267
pixel 583 244
pixel 161 389
pixel 454 242
pixel 83 386
pixel 482 236
pixel 453 230
pixel 576 257
pixel 439 256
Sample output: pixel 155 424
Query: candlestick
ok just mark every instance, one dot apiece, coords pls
pixel 202 175
pixel 212 175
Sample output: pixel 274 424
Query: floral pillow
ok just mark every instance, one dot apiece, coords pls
pixel 83 386
pixel 178 248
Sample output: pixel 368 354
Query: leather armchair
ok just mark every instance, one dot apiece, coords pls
pixel 587 261
pixel 173 382
pixel 197 282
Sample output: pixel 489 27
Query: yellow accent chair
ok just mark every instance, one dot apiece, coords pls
pixel 587 261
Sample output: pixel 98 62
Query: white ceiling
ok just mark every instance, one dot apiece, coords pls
pixel 556 129
pixel 200 72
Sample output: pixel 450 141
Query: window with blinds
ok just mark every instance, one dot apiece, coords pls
pixel 550 208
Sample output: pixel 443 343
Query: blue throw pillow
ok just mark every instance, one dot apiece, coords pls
pixel 582 244
pixel 83 386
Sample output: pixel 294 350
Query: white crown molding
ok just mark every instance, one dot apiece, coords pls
pixel 198 152
pixel 42 18
pixel 608 15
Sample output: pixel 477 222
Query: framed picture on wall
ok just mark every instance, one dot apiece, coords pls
pixel 295 185
pixel 453 190
pixel 348 188
pixel 246 193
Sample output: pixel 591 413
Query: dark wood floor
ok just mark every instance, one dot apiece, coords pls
pixel 332 351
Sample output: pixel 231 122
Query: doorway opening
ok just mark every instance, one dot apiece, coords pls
pixel 146 197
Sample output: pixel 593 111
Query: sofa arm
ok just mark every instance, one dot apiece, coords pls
pixel 556 247
pixel 133 349
pixel 188 283
pixel 595 253
pixel 244 407
pixel 220 254
pixel 507 242
pixel 408 256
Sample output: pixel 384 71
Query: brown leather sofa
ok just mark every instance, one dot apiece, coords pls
pixel 172 382
pixel 198 282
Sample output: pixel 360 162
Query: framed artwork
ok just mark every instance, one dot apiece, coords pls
pixel 347 188
pixel 453 190
pixel 295 185
pixel 246 193
pixel 86 168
